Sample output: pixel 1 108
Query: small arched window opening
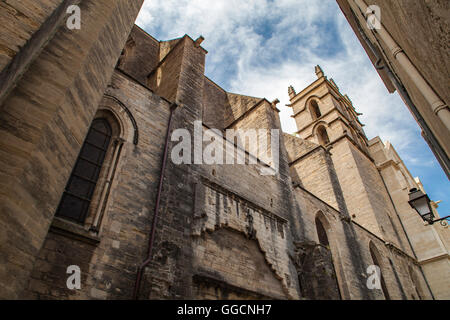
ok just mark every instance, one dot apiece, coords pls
pixel 322 227
pixel 315 110
pixel 323 136
pixel 376 261
pixel 321 233
pixel 80 188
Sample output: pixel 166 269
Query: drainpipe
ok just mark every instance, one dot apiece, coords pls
pixel 148 259
pixel 437 105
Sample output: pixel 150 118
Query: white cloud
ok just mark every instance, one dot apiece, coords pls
pixel 245 58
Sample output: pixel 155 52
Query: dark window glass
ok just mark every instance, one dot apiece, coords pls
pixel 77 196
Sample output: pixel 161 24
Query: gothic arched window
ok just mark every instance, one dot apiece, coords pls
pixel 315 110
pixel 323 135
pixel 80 188
pixel 376 258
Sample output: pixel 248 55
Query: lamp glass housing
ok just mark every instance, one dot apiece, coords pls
pixel 421 203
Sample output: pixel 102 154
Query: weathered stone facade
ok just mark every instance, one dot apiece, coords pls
pixel 45 114
pixel 310 230
pixel 410 53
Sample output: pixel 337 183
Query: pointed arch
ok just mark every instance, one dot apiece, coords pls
pixel 377 260
pixel 123 114
pixel 314 109
pixel 322 135
pixel 86 196
pixel 78 194
pixel 322 229
pixel 308 101
pixel 326 238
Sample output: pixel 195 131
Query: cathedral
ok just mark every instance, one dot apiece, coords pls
pixel 90 185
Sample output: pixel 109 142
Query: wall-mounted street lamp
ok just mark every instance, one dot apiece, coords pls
pixel 421 203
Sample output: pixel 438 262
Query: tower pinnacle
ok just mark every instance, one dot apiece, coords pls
pixel 291 92
pixel 319 72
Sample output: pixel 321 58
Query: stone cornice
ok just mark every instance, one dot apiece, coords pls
pixel 387 163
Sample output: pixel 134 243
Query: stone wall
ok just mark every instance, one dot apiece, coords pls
pixel 215 104
pixel 221 230
pixel 428 50
pixel 260 264
pixel 349 247
pixel 353 189
pixel 140 55
pixel 317 274
pixel 108 266
pixel 313 172
pixel 20 20
pixel 43 123
pixel 378 197
pixel 421 30
pixel 239 104
pixel 430 244
pixel 164 79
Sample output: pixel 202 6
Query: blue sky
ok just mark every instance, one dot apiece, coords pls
pixel 260 47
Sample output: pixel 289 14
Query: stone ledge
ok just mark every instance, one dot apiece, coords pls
pixel 204 277
pixel 72 230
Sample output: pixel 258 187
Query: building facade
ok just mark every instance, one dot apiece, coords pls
pixel 90 132
pixel 407 41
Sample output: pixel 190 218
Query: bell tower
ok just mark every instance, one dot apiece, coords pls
pixel 323 114
pixel 327 118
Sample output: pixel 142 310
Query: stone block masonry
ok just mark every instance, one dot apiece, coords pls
pixel 222 231
pixel 43 122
